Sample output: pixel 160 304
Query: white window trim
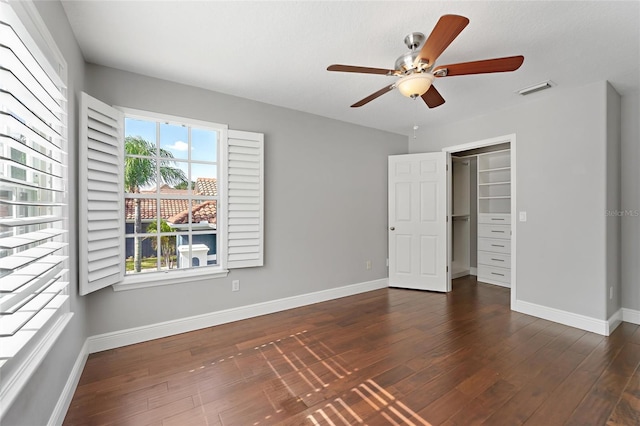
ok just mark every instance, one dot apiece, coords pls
pixel 160 278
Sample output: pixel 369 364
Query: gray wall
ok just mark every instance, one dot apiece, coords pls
pixel 37 400
pixel 630 170
pixel 325 203
pixel 561 181
pixel 613 196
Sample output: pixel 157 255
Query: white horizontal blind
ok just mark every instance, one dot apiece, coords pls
pixel 33 222
pixel 101 183
pixel 245 199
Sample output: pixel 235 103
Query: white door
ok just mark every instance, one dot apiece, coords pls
pixel 418 221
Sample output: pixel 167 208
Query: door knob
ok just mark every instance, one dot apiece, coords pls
pixel 392 228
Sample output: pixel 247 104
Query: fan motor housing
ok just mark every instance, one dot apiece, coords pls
pixel 405 63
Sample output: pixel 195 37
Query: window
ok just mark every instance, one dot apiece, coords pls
pixel 166 199
pixel 34 307
pixel 171 195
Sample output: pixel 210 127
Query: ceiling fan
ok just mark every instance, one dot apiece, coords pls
pixel 417 69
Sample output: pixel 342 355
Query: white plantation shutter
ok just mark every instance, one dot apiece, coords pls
pixel 245 199
pixel 34 304
pixel 101 214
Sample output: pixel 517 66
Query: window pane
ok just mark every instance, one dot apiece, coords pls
pixel 174 141
pixel 176 175
pixel 143 208
pixel 208 240
pixel 148 259
pixel 205 177
pixel 163 241
pixel 204 145
pixel 202 252
pixel 204 215
pixel 174 213
pixel 140 128
pixel 140 174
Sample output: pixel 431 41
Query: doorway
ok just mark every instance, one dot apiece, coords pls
pixel 412 185
pixel 489 223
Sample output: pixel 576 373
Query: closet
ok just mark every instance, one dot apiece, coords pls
pixel 481 214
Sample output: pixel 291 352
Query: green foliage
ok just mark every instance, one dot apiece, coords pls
pixel 140 170
pixel 167 242
pixel 185 185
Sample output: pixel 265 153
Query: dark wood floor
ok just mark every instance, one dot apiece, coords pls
pixel 387 357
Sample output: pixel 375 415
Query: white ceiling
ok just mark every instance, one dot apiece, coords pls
pixel 278 52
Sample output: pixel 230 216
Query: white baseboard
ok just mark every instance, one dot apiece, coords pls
pixel 459 274
pixel 563 317
pixel 168 328
pixel 60 410
pixel 614 321
pixel 630 315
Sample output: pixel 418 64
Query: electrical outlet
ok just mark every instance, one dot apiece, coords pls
pixel 368 265
pixel 235 285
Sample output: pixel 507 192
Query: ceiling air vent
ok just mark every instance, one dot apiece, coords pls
pixel 535 88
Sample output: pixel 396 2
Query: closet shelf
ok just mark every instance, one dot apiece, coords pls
pixel 493 170
pixel 501 197
pixel 494 183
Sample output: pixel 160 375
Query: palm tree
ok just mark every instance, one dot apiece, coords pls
pixel 186 185
pixel 141 166
pixel 167 243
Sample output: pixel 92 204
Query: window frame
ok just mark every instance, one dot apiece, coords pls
pixel 220 270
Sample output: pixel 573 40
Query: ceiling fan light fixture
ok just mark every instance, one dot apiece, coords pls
pixel 414 85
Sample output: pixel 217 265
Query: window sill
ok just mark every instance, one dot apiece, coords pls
pixel 155 279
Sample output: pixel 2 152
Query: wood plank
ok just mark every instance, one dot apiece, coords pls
pixel 389 356
pixel 627 410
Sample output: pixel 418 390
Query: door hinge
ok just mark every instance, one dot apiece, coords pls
pixel 447 269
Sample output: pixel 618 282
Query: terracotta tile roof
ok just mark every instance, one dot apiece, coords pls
pixel 148 210
pixel 166 189
pixel 177 209
pixel 207 186
pixel 201 212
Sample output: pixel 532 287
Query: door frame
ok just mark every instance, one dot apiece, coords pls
pixel 511 138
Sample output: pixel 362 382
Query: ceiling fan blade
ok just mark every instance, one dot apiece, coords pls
pixel 432 97
pixel 372 96
pixel 445 31
pixel 510 63
pixel 362 70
